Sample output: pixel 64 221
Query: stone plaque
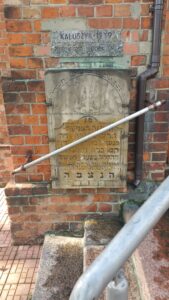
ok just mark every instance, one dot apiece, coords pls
pixel 81 102
pixel 86 43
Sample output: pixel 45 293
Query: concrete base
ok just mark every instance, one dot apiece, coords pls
pixel 61 265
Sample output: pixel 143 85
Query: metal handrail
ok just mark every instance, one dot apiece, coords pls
pixel 88 137
pixel 91 284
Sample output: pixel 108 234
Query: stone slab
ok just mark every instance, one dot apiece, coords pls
pixel 87 43
pixel 81 102
pixel 61 265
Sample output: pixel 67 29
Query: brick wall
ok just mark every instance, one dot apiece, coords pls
pixel 24 96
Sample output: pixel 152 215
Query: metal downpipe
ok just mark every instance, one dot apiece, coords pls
pixel 142 80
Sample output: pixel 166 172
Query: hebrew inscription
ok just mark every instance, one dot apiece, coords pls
pixel 81 103
pixel 87 43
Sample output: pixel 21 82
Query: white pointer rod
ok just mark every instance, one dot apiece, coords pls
pixel 88 137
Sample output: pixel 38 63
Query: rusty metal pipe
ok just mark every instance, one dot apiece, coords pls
pixel 152 70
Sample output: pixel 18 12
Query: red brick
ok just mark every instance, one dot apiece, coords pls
pixel 31 13
pixel 157 176
pixel 131 23
pixel 33 140
pixel 17 140
pixel 22 129
pixel 13 86
pixel 131 48
pixel 92 2
pixel 67 11
pixel 30 120
pixel 12 12
pixel 86 11
pixel 15 38
pixel 42 50
pixel 103 207
pixel 165 60
pixel 21 51
pixel 122 10
pixel 17 109
pixel 18 63
pixel 14 210
pixel 104 11
pixel 165 49
pixel 37 25
pixel 38 109
pixel 138 60
pixel 161 117
pixel 35 63
pixel 18 26
pixel 58 1
pixel 160 137
pixel 50 12
pixel 32 38
pixel 40 129
pixel 113 1
pixel 28 97
pixel 20 150
pixel 145 9
pixel 41 149
pixel 14 120
pixel 166 71
pixel 51 62
pixel 25 74
pixel 144 36
pixel 40 98
pixel 37 86
pixel 104 23
pixel 43 168
pixel 43 120
pixel 146 23
pixel 159 156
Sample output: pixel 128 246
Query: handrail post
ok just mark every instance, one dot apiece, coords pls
pixel 118 288
pixel 91 284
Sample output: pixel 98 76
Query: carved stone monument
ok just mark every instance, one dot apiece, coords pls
pixel 81 102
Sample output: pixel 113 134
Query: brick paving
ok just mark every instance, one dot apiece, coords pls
pixel 18 264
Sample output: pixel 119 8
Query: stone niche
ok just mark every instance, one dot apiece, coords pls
pixel 80 102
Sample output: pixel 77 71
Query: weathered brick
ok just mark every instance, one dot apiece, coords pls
pixel 21 51
pixel 131 48
pixel 86 11
pixel 92 2
pixel 122 10
pixel 67 11
pixel 15 38
pixel 22 129
pixel 38 108
pixel 32 38
pixel 18 63
pixel 36 86
pixel 18 26
pixel 23 74
pixel 17 109
pixel 146 23
pixel 31 13
pixel 40 129
pixel 138 60
pixel 131 23
pixel 50 12
pixel 103 23
pixel 104 11
pixel 35 63
pixel 33 140
pixel 12 12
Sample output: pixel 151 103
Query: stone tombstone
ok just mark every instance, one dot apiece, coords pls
pixel 80 102
pixel 87 43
